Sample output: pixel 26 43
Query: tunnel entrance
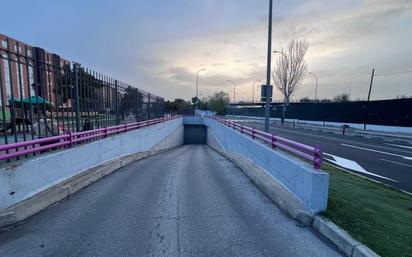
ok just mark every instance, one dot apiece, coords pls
pixel 194 134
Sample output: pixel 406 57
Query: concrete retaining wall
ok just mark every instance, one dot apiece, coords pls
pixel 22 180
pixel 307 185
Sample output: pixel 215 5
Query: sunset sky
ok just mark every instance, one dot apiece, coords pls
pixel 158 45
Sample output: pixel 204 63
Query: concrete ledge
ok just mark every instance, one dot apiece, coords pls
pixel 363 251
pixel 339 237
pixel 18 213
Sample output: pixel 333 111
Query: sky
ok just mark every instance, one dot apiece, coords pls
pixel 159 45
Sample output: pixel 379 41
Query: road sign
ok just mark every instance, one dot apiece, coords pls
pixel 263 93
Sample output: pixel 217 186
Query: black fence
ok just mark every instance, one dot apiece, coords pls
pixel 397 112
pixel 42 95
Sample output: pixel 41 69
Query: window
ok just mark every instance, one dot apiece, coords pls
pixel 7 76
pixel 31 81
pixel 23 85
pixel 28 53
pixel 4 44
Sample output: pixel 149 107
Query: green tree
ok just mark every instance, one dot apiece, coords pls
pixel 342 98
pixel 218 102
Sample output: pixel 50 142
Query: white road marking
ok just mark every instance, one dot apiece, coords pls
pixel 377 151
pixel 399 163
pixel 352 165
pixel 404 146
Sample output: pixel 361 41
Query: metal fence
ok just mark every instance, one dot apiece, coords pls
pixel 42 95
pixel 309 153
pixel 395 112
pixel 28 148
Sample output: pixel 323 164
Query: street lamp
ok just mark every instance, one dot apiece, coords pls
pixel 268 67
pixel 234 90
pixel 279 52
pixel 316 86
pixel 253 92
pixel 197 87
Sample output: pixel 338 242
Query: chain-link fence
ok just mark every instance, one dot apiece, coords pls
pixel 42 95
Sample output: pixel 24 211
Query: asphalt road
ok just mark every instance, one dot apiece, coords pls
pixel 382 161
pixel 189 201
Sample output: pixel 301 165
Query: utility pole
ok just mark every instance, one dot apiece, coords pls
pixel 253 92
pixel 316 85
pixel 268 68
pixel 197 88
pixel 234 90
pixel 369 96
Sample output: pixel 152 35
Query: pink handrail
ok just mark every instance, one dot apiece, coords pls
pixel 67 140
pixel 307 152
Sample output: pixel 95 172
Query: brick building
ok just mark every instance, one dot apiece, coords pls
pixel 27 71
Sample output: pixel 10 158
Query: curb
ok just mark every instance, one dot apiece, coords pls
pixel 340 238
pixel 20 212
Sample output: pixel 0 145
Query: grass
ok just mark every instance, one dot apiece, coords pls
pixel 374 214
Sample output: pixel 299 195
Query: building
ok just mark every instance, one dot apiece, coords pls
pixel 27 71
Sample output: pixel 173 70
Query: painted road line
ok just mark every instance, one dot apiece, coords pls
pixel 404 146
pixel 399 163
pixel 352 165
pixel 382 147
pixel 376 151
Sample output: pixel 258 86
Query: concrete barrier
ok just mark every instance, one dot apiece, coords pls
pixel 26 178
pixel 309 186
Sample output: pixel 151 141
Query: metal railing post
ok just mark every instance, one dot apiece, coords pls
pixel 253 133
pixel 241 128
pixel 117 102
pixel 273 141
pixel 70 139
pixel 317 160
pixel 76 97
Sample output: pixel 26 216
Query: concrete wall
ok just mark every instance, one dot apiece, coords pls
pixel 307 185
pixel 22 180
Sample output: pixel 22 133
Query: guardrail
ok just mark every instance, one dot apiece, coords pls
pixel 310 153
pixel 25 148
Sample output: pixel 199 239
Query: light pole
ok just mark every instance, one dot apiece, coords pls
pixel 268 67
pixel 253 92
pixel 284 84
pixel 234 90
pixel 197 87
pixel 316 86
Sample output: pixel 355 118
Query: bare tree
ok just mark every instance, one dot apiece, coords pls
pixel 290 70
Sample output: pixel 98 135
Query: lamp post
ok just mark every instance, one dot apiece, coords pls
pixel 284 83
pixel 253 92
pixel 234 90
pixel 197 87
pixel 316 86
pixel 268 67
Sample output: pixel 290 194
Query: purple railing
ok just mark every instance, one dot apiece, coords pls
pixel 15 150
pixel 310 153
